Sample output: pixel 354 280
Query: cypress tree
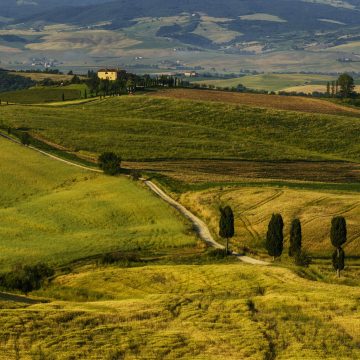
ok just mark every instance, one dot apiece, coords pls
pixel 274 237
pixel 338 236
pixel 295 238
pixel 226 225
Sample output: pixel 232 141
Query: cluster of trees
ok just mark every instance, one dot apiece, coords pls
pixel 128 82
pixel 26 277
pixel 275 238
pixel 10 82
pixel 343 87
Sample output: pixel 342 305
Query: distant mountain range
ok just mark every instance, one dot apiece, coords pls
pixel 244 27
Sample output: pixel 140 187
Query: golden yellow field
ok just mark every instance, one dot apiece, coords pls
pixel 206 312
pixel 253 207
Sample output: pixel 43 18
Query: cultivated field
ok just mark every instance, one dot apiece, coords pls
pixel 290 103
pixel 188 312
pixel 253 206
pixel 185 129
pixel 58 213
pixel 270 82
pixel 197 172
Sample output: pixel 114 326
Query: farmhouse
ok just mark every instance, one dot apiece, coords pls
pixel 191 74
pixel 108 74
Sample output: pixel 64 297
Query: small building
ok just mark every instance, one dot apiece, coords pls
pixel 191 74
pixel 108 74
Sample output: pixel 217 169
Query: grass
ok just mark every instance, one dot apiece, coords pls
pixel 40 76
pixel 183 129
pixel 42 95
pixel 57 213
pixel 271 82
pixel 187 312
pixel 254 205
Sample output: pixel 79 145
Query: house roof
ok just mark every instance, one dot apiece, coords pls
pixel 108 70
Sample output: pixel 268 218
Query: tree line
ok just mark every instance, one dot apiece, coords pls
pixel 343 87
pixel 274 242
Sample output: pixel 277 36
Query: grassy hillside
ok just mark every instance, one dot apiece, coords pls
pixel 39 95
pixel 57 213
pixel 171 128
pixel 254 205
pixel 271 82
pixel 185 312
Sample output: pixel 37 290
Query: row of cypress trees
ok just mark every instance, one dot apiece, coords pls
pixel 275 238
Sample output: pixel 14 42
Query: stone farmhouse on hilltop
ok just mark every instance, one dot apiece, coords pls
pixel 108 74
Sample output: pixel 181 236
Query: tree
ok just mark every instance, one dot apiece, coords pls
pixel 295 238
pixel 274 237
pixel 130 86
pixel 347 85
pixel 338 260
pixel 25 139
pixel 328 89
pixel 110 163
pixel 226 225
pixel 338 235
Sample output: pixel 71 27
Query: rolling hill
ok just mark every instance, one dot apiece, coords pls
pixel 182 129
pixel 183 33
pixel 57 213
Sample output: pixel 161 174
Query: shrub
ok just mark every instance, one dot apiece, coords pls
pixel 302 258
pixel 110 163
pixel 26 278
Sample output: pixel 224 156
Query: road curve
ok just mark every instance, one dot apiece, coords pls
pixel 199 226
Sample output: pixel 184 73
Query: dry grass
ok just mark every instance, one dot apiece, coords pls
pixel 186 312
pixel 253 207
pixel 297 103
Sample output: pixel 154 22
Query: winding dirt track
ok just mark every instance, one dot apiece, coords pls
pixel 199 226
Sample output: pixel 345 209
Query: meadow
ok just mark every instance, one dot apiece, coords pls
pixel 57 213
pixel 39 95
pixel 151 127
pixel 219 311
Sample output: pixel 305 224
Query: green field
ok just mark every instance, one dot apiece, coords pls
pixel 270 82
pixel 39 95
pixel 143 127
pixel 57 213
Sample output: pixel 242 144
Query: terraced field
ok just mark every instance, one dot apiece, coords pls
pixel 254 205
pixel 58 213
